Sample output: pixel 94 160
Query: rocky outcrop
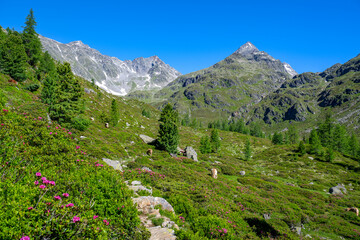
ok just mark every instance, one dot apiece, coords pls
pixel 339 189
pixel 146 203
pixel 190 153
pixel 116 164
pixel 136 186
pixel 147 139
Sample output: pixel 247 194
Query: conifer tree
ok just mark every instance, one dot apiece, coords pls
pixel 293 135
pixel 301 148
pixel 354 148
pixel 277 138
pixel 31 40
pixel 47 64
pixel 215 140
pixel 115 115
pixel 329 155
pixel 315 143
pixel 13 57
pixel 248 150
pixel 205 146
pixel 168 130
pixel 66 104
pixel 48 90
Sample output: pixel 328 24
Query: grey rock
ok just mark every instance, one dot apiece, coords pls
pixel 113 163
pixel 110 73
pixel 128 124
pixel 311 183
pixel 217 162
pixel 267 216
pixel 242 173
pixel 158 233
pixel 147 139
pixel 82 137
pixel 190 153
pixel 297 230
pixel 173 155
pixel 146 169
pixel 145 202
pixel 89 90
pixel 135 183
pixel 141 126
pixel 339 189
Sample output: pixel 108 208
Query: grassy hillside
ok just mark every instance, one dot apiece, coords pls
pixel 291 189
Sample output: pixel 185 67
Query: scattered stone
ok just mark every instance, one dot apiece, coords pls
pixel 290 184
pixel 214 173
pixel 147 139
pixel 267 216
pixel 146 169
pixel 149 152
pixel 311 183
pixel 158 233
pixel 339 189
pixel 297 230
pixel 217 162
pixel 107 125
pixel 92 119
pixel 135 183
pixel 242 173
pixel 307 236
pixel 89 90
pixel 173 155
pixel 113 163
pixel 128 124
pixel 141 126
pixel 180 151
pixel 311 158
pixel 82 137
pixel 190 153
pixel 48 117
pixel 169 224
pixel 146 202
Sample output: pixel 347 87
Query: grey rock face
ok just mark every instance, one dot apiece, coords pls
pixel 339 189
pixel 190 153
pixel 147 139
pixel 111 74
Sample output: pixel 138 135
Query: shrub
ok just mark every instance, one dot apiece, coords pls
pixel 146 113
pixel 32 87
pixel 81 123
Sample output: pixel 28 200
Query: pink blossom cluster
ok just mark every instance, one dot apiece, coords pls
pixel 25 238
pixel 70 205
pixel 76 219
pixel 106 222
pixel 57 197
pixel 65 195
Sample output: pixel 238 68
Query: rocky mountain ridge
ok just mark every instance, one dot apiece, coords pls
pixel 110 73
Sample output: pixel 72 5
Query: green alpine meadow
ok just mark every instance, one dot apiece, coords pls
pixel 92 147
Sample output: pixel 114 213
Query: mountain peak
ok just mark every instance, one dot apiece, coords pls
pixel 78 43
pixel 247 48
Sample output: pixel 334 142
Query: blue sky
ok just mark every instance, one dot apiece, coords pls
pixel 310 35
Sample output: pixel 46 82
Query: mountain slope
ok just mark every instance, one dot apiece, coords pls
pixel 308 96
pixel 110 73
pixel 238 81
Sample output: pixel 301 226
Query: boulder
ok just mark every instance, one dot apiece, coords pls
pixel 89 90
pixel 113 163
pixel 146 169
pixel 146 202
pixel 107 125
pixel 135 183
pixel 147 139
pixel 339 189
pixel 267 216
pixel 242 173
pixel 190 153
pixel 158 233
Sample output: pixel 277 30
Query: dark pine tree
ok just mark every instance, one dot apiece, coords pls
pixel 168 130
pixel 248 150
pixel 13 57
pixel 66 104
pixel 114 114
pixel 205 146
pixel 31 40
pixel 215 140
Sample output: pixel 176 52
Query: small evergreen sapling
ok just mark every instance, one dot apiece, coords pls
pixel 248 150
pixel 215 140
pixel 168 130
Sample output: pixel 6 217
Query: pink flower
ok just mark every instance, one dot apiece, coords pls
pixel 77 147
pixel 70 205
pixel 77 160
pixel 76 219
pixel 25 238
pixel 43 178
pixel 38 174
pixel 95 217
pixel 52 183
pixel 224 230
pixel 65 194
pixel 57 197
pixel 40 118
pixel 70 133
pixel 36 182
pixel 30 208
pixel 50 133
pixel 42 186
